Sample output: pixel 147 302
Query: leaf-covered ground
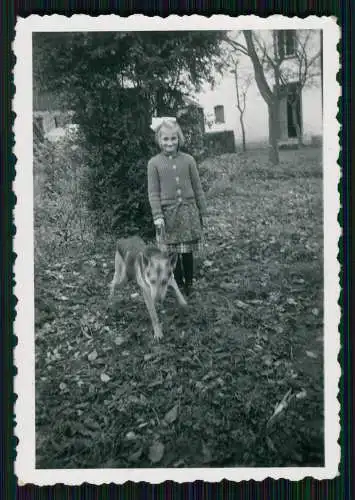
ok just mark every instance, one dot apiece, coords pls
pixel 237 380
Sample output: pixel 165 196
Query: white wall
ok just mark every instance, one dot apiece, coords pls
pixel 312 111
pixel 255 118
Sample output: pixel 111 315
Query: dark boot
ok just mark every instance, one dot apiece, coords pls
pixel 188 266
pixel 178 272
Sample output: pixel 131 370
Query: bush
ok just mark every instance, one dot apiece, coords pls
pixel 192 124
pixel 62 223
pixel 119 143
pixel 61 217
pixel 217 143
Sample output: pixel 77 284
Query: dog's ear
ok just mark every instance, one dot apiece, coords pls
pixel 173 260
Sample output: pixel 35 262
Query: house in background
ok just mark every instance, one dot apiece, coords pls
pixel 220 103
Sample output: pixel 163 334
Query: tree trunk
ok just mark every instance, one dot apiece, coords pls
pixel 296 123
pixel 243 132
pixel 273 109
pixel 269 97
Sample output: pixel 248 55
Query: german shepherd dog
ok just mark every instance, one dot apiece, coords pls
pixel 151 268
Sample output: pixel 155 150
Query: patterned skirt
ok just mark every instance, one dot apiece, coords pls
pixel 182 232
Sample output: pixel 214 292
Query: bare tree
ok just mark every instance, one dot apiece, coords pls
pixel 268 58
pixel 242 84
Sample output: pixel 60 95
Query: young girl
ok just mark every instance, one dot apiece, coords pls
pixel 176 198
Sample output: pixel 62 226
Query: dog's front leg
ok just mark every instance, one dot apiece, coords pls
pixel 158 333
pixel 120 275
pixel 179 295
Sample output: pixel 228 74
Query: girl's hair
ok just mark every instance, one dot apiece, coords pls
pixel 172 125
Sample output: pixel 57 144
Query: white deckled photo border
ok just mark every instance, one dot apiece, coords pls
pixel 24 355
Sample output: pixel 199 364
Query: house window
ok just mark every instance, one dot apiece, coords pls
pixel 286 43
pixel 219 114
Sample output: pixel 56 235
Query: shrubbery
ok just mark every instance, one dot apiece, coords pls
pixel 61 217
pixel 217 143
pixel 118 149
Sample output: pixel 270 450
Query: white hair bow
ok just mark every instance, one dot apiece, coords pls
pixel 158 120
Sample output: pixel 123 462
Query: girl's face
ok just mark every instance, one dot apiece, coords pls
pixel 168 140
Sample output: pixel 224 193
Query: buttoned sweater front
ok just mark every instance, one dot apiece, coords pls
pixel 172 180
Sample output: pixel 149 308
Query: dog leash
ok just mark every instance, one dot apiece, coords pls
pixel 161 232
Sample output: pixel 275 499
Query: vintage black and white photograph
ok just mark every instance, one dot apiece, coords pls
pixel 177 236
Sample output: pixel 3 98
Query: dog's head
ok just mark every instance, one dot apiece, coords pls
pixel 157 270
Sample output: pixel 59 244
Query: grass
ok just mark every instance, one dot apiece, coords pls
pixel 108 396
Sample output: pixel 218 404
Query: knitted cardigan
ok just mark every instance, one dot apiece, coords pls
pixel 174 179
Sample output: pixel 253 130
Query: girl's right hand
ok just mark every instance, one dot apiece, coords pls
pixel 159 222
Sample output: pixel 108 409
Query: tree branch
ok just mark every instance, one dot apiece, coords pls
pixel 244 100
pixel 263 49
pixel 237 46
pixel 258 69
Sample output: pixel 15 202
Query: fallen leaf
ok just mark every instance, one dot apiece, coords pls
pixel 227 286
pixel 256 301
pixel 241 304
pixel 179 463
pixel 270 444
pixel 92 356
pixel 302 394
pixel 292 302
pixel 143 399
pixel 136 455
pixel 206 452
pixel 311 354
pixel 104 377
pixel 282 405
pixel 279 329
pixel 134 399
pixel 119 340
pixel 130 435
pixel 267 360
pixel 171 416
pixel 299 280
pixel 156 452
pixel 155 383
